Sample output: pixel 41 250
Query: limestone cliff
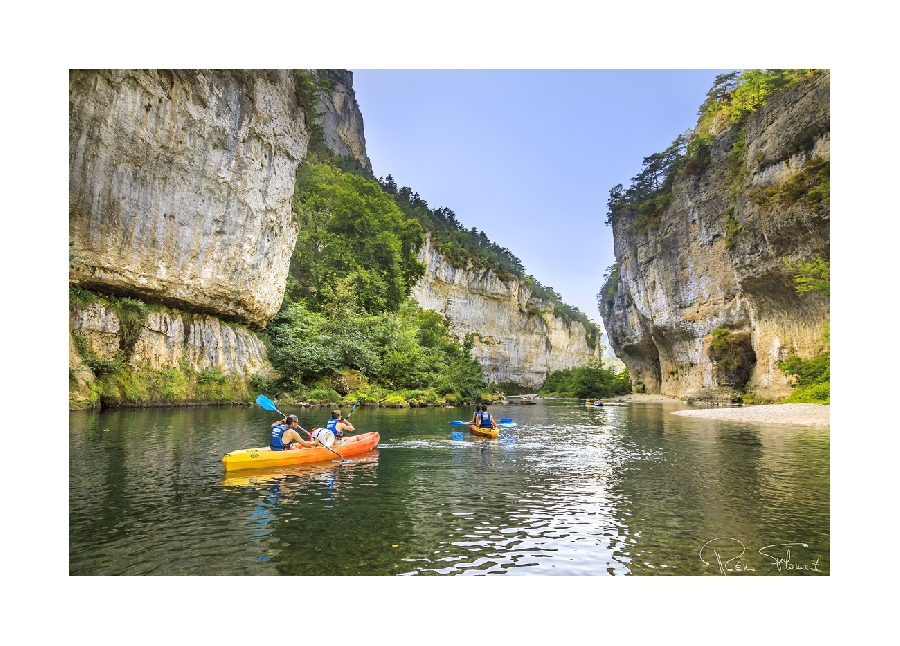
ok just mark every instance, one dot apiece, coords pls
pixel 180 186
pixel 340 117
pixel 716 258
pixel 518 337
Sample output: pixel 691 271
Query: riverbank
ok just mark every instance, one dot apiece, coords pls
pixel 790 414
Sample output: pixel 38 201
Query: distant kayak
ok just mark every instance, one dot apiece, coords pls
pixel 266 457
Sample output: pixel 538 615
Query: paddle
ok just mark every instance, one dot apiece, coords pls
pixel 353 408
pixel 268 404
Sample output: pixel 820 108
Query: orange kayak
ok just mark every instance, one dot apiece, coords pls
pixel 266 457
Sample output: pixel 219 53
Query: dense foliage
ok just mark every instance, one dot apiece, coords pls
pixel 352 236
pixel 408 349
pixel 587 381
pixel 734 95
pixel 813 379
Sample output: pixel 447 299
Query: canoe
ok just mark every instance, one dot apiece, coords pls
pixel 485 432
pixel 266 457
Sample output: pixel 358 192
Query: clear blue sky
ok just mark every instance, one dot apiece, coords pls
pixel 528 156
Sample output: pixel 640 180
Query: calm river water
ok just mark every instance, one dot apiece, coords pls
pixel 572 490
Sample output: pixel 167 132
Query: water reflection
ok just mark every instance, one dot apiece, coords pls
pixel 624 489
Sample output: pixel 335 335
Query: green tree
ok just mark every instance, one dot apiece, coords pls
pixel 351 232
pixel 813 275
pixel 592 380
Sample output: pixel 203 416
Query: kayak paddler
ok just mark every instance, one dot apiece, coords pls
pixel 284 436
pixel 483 419
pixel 338 425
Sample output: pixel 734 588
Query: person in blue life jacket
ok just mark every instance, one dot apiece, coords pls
pixel 483 419
pixel 284 436
pixel 338 425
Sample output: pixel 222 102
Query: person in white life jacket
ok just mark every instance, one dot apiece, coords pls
pixel 338 425
pixel 284 436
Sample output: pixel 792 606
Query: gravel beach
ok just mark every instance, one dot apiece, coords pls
pixel 792 414
pixel 789 414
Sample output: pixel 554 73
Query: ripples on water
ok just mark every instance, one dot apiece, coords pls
pixel 625 489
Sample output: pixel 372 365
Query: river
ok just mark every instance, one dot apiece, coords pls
pixel 571 490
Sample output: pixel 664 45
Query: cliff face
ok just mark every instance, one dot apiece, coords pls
pixel 167 356
pixel 341 119
pixel 180 186
pixel 518 337
pixel 717 260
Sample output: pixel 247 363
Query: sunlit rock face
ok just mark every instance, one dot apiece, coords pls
pixel 169 339
pixel 341 119
pixel 180 186
pixel 708 265
pixel 518 337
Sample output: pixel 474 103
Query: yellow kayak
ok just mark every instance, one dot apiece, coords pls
pixel 266 457
pixel 485 432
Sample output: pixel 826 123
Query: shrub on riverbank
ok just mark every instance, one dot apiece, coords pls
pixel 813 379
pixel 589 381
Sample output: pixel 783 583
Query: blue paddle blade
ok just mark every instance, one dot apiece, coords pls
pixel 504 419
pixel 457 423
pixel 266 403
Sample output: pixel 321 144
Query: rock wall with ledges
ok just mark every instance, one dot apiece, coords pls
pixel 518 338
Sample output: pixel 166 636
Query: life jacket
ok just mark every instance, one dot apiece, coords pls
pixel 485 420
pixel 275 442
pixel 331 425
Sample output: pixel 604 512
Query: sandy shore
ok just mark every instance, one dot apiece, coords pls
pixel 792 414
